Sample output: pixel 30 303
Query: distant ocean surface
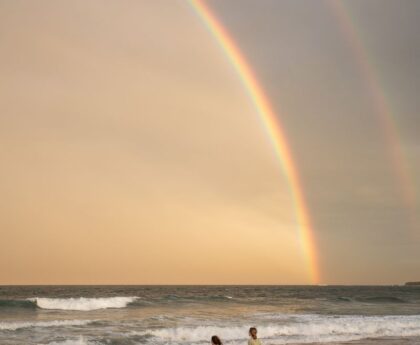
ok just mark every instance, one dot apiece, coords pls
pixel 87 315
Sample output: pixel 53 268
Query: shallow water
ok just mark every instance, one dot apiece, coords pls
pixel 192 314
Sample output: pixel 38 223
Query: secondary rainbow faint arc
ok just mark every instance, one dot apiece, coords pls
pixel 274 129
pixel 380 103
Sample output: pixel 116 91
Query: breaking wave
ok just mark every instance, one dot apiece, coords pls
pixel 12 326
pixel 16 303
pixel 82 303
pixel 303 329
pixel 77 341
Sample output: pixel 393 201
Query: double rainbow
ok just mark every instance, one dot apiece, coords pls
pixel 381 105
pixel 273 128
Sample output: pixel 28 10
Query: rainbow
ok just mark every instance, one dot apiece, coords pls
pixel 382 108
pixel 274 129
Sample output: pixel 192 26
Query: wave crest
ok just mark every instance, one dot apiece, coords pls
pixel 16 303
pixel 381 299
pixel 12 326
pixel 77 341
pixel 303 329
pixel 83 303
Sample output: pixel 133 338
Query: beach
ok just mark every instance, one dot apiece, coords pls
pixel 192 314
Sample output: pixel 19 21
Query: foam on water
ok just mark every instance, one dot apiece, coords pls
pixel 299 329
pixel 83 303
pixel 175 315
pixel 12 326
pixel 78 341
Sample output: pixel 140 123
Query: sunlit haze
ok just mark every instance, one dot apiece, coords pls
pixel 216 142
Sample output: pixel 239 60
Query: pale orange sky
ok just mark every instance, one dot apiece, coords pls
pixel 131 153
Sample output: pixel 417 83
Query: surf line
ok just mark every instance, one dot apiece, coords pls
pixel 381 105
pixel 273 128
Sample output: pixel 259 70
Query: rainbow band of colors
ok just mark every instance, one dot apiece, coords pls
pixel 274 130
pixel 382 108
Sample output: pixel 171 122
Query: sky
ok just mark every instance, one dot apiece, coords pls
pixel 131 152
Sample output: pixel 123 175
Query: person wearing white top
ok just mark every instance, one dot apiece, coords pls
pixel 253 340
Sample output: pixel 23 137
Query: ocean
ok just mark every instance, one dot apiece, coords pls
pixel 88 315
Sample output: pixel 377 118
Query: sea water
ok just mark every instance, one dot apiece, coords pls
pixel 65 315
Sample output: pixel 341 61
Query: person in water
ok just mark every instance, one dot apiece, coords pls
pixel 215 340
pixel 253 340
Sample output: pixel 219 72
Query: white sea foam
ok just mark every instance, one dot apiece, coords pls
pixel 299 329
pixel 83 303
pixel 78 341
pixel 12 326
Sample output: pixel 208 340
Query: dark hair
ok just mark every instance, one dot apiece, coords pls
pixel 216 340
pixel 252 329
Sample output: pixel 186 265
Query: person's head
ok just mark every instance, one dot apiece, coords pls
pixel 215 340
pixel 253 332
